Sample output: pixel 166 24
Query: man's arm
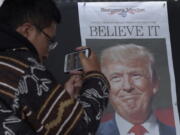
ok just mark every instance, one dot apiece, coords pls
pixel 56 112
pixel 94 99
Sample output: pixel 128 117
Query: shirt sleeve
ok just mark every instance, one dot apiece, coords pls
pixel 11 124
pixel 94 99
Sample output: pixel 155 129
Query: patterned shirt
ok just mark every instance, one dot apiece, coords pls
pixel 33 103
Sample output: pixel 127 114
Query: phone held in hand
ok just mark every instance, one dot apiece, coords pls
pixel 72 61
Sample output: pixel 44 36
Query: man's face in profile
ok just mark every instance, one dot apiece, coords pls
pixel 132 88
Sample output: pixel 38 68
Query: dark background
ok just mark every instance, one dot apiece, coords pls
pixel 68 36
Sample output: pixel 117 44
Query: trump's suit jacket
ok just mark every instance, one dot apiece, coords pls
pixel 110 128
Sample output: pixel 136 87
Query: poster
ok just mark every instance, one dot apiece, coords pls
pixel 143 89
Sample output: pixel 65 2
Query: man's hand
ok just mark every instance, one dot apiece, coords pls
pixel 73 85
pixel 90 63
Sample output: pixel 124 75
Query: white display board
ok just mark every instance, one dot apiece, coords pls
pixel 107 24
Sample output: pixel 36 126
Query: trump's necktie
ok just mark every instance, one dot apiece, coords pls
pixel 138 130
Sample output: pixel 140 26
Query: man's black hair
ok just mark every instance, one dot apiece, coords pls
pixel 40 13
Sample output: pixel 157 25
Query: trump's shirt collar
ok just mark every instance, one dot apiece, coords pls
pixel 124 126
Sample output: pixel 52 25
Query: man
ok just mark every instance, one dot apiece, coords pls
pixel 31 101
pixel 134 82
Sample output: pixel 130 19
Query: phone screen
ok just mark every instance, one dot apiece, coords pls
pixel 72 60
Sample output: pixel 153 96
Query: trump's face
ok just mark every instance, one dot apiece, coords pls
pixel 132 88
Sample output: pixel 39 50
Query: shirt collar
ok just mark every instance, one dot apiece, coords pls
pixel 124 126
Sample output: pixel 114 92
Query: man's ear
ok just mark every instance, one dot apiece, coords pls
pixel 25 29
pixel 155 90
pixel 156 86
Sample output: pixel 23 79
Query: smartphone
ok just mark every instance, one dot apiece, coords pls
pixel 72 60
